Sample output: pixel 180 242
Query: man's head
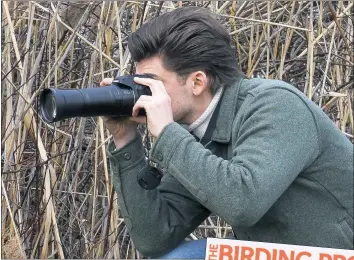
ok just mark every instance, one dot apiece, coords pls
pixel 191 53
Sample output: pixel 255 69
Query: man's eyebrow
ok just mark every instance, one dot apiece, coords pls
pixel 154 76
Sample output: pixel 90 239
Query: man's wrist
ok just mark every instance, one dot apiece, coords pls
pixel 127 156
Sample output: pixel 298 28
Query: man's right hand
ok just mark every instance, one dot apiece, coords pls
pixel 122 129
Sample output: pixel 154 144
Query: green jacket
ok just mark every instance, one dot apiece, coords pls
pixel 277 170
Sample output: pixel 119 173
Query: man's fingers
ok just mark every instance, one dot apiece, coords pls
pixel 156 86
pixel 106 81
pixel 138 119
pixel 145 98
pixel 139 105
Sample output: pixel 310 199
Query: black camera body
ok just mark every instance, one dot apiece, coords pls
pixel 115 100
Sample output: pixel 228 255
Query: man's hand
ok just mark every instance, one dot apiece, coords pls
pixel 122 129
pixel 158 106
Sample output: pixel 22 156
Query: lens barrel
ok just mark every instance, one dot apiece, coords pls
pixel 116 99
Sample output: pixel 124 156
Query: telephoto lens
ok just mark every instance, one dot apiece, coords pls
pixel 116 100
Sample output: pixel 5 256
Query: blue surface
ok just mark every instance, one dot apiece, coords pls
pixel 188 250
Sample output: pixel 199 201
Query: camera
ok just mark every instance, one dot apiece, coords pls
pixel 115 100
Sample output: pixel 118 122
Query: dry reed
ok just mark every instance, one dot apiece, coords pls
pixel 57 196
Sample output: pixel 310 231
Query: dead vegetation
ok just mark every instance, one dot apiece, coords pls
pixel 57 196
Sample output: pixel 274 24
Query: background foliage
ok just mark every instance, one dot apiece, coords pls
pixel 57 197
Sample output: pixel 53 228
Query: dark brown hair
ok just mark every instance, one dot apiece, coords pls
pixel 188 39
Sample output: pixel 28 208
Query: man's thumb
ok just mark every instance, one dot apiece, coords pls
pixel 106 81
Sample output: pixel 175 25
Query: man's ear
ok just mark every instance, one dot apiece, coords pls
pixel 199 82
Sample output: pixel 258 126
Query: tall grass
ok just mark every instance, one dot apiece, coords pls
pixel 57 196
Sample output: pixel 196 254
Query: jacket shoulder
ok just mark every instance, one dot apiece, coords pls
pixel 258 85
pixel 268 87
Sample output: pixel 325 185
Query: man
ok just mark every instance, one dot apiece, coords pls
pixel 256 152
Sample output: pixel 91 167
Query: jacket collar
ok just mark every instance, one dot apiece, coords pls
pixel 227 112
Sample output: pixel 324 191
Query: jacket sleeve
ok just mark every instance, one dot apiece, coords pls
pixel 275 138
pixel 157 220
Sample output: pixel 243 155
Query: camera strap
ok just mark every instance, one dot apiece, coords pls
pixel 149 177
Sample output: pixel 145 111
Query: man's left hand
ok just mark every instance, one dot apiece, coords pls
pixel 158 106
